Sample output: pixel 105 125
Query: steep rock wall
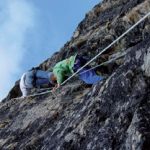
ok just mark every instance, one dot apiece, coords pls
pixel 112 114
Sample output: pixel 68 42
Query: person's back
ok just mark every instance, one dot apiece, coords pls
pixel 34 79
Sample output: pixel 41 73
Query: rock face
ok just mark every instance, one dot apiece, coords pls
pixel 113 114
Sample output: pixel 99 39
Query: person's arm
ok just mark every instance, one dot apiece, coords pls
pixel 56 86
pixel 60 77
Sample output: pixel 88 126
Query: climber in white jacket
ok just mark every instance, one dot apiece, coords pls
pixel 33 79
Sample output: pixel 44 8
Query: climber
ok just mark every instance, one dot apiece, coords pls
pixel 33 79
pixel 71 65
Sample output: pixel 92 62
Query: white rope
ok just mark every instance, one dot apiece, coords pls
pixel 95 56
pixel 13 99
pixel 67 85
pixel 104 63
pixel 108 46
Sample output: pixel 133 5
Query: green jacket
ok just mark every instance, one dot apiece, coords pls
pixel 64 68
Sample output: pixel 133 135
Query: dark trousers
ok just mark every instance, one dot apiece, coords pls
pixel 89 77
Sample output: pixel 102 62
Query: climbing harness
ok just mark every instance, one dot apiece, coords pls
pixel 15 99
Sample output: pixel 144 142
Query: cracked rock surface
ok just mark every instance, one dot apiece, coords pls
pixel 113 114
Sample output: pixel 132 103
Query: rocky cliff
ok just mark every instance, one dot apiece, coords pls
pixel 113 114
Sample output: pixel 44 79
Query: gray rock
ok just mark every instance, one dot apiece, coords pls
pixel 112 114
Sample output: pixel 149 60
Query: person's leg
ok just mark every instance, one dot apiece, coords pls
pixel 77 64
pixel 89 77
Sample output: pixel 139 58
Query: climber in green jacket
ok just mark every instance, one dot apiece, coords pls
pixel 64 68
pixel 71 65
pixel 61 69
